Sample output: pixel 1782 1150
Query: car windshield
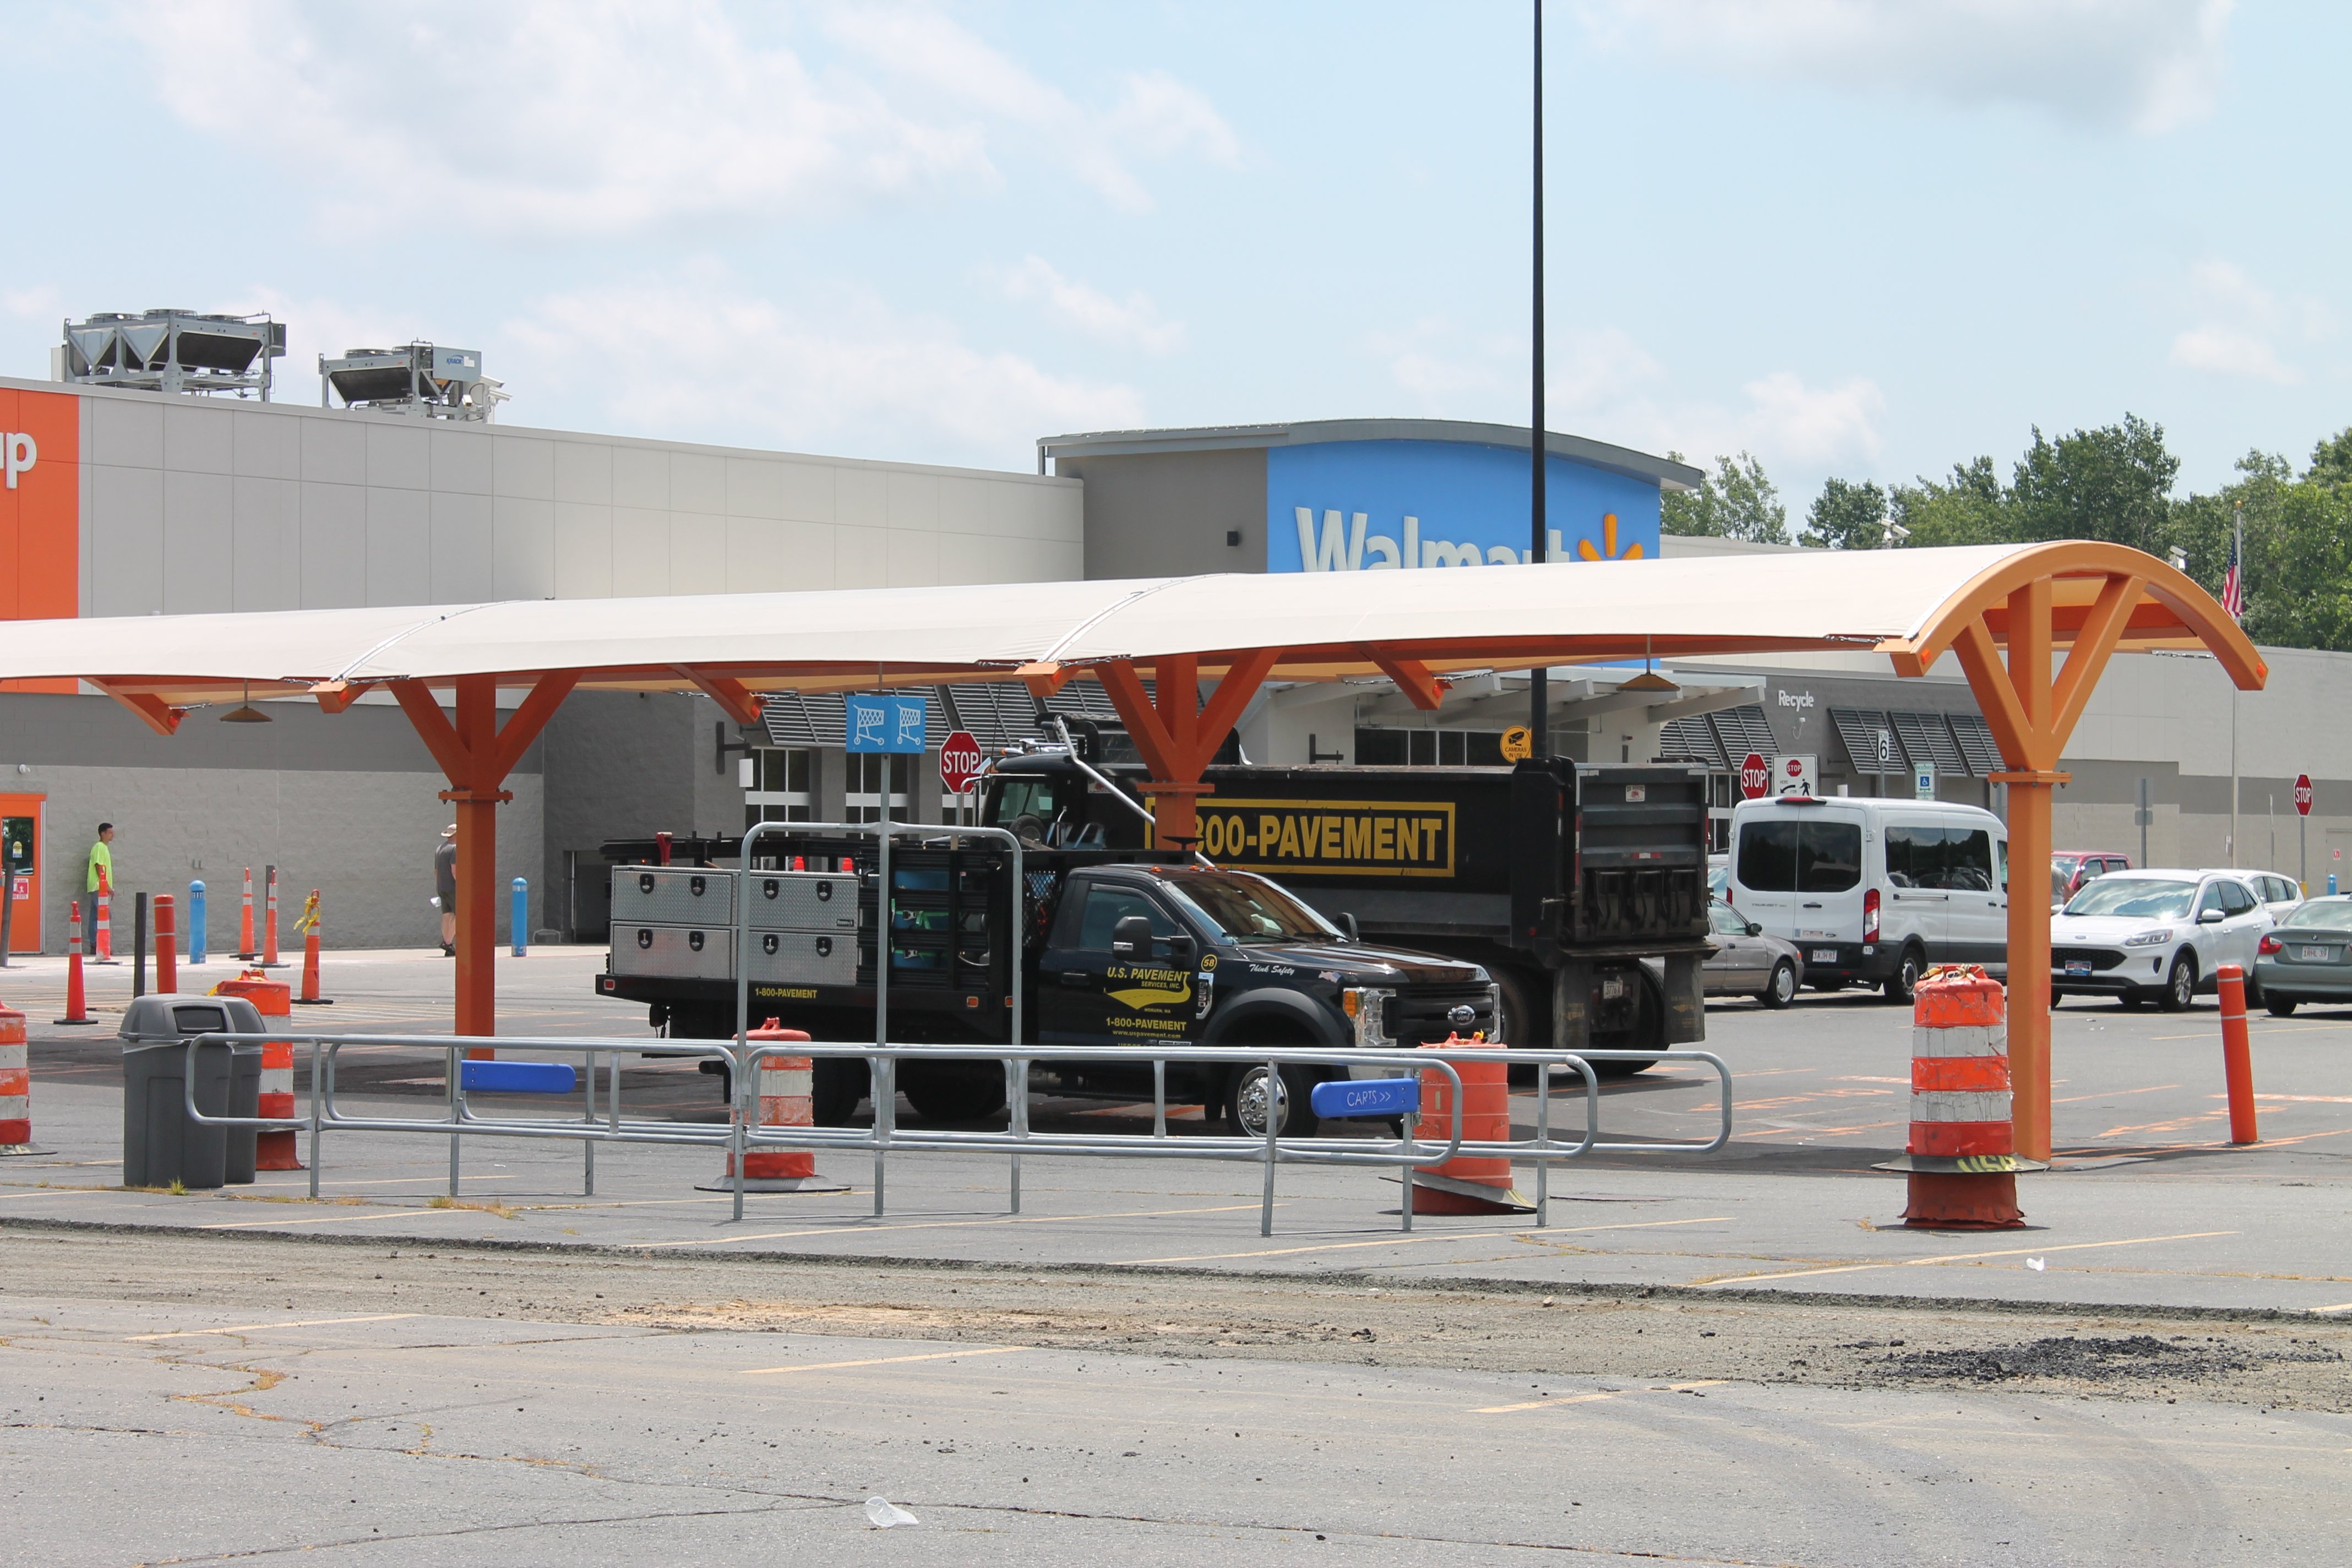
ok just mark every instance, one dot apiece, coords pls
pixel 1246 908
pixel 2321 914
pixel 2143 897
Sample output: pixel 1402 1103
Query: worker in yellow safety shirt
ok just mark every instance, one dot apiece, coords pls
pixel 101 859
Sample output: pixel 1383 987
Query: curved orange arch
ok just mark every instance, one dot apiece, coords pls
pixel 2169 610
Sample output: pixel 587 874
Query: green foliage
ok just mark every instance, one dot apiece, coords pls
pixel 2114 483
pixel 1735 501
pixel 1846 516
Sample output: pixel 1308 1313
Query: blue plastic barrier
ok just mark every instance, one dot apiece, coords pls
pixel 1346 1097
pixel 518 1078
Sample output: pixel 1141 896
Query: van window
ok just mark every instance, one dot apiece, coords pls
pixel 1791 855
pixel 1967 859
pixel 1915 855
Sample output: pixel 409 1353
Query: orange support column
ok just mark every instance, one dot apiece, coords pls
pixel 1177 733
pixel 2029 947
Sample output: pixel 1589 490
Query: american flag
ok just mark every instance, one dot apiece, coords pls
pixel 2234 587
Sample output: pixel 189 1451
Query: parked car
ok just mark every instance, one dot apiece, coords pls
pixel 2308 958
pixel 2135 935
pixel 1747 962
pixel 1874 890
pixel 2279 894
pixel 2070 868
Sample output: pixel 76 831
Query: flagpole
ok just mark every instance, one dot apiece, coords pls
pixel 2236 570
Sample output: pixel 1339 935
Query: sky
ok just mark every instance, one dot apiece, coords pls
pixel 1857 237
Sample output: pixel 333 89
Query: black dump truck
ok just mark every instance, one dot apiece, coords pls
pixel 1120 947
pixel 1582 891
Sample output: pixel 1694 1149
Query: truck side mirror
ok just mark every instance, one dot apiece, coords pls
pixel 1348 924
pixel 1131 937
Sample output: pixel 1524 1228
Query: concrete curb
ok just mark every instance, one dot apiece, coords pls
pixel 1455 1287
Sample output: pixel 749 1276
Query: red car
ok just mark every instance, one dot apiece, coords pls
pixel 2070 868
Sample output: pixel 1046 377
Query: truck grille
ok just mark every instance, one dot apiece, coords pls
pixel 1418 1016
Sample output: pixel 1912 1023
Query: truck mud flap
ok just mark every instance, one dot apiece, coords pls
pixel 1686 999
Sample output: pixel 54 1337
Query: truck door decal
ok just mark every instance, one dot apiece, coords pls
pixel 1138 988
pixel 1330 837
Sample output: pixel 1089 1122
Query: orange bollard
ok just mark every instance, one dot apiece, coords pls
pixel 77 1002
pixel 270 959
pixel 16 1084
pixel 2237 1053
pixel 1468 1184
pixel 101 946
pixel 309 926
pixel 274 1149
pixel 245 948
pixel 167 945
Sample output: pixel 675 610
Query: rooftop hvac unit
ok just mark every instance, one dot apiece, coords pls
pixel 173 351
pixel 422 379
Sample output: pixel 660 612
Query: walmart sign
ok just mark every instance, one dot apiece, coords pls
pixel 1363 506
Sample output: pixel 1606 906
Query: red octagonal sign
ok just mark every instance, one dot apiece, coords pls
pixel 960 761
pixel 1754 776
pixel 2302 793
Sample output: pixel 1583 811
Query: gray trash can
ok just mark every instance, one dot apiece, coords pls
pixel 159 1144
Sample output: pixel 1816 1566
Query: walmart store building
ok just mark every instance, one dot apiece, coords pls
pixel 147 503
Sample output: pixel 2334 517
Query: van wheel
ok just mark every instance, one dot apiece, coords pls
pixel 1246 1096
pixel 1781 989
pixel 2180 985
pixel 1903 985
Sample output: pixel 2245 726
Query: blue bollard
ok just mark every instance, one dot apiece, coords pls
pixel 196 922
pixel 518 920
pixel 2331 884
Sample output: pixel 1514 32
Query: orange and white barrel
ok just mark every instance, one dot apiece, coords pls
pixel 1467 1183
pixel 15 1083
pixel 784 1095
pixel 1961 1157
pixel 273 1149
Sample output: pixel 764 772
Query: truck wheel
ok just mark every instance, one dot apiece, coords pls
pixel 2180 985
pixel 1902 987
pixel 953 1091
pixel 1781 989
pixel 1246 1102
pixel 835 1089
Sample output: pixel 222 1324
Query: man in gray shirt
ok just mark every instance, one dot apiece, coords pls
pixel 445 889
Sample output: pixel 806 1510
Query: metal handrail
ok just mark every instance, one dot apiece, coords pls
pixel 884 1138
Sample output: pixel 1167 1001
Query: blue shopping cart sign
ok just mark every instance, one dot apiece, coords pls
pixel 1367 1097
pixel 887 724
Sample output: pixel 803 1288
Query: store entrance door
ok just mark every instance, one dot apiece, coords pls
pixel 20 854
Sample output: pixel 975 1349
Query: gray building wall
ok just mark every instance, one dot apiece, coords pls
pixel 1168 514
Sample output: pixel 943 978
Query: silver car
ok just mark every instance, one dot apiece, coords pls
pixel 1747 962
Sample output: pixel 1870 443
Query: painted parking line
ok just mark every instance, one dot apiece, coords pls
pixel 883 1360
pixel 333 1218
pixel 1592 1398
pixel 1401 1240
pixel 1962 1258
pixel 2339 1307
pixel 845 1226
pixel 257 1328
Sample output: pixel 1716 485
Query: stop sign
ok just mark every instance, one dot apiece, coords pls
pixel 1754 776
pixel 960 761
pixel 2302 793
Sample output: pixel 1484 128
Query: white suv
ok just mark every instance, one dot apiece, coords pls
pixel 2137 934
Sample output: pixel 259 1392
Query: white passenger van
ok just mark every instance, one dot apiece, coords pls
pixel 1873 891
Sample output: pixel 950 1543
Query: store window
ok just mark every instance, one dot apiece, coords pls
pixel 784 786
pixel 862 799
pixel 1429 748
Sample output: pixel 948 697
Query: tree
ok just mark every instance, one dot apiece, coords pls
pixel 1970 507
pixel 2114 483
pixel 1846 516
pixel 1735 501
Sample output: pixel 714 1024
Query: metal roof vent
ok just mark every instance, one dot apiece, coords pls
pixel 172 351
pixel 420 379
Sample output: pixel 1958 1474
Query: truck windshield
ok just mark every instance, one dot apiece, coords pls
pixel 1245 908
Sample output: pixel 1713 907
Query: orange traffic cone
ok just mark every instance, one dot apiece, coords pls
pixel 309 926
pixel 1468 1184
pixel 77 1003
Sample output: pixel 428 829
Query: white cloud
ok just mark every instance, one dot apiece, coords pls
pixel 1133 322
pixel 2228 352
pixel 1586 372
pixel 609 117
pixel 838 373
pixel 2149 65
pixel 39 302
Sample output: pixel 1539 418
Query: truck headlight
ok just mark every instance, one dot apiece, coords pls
pixel 1367 1007
pixel 2149 938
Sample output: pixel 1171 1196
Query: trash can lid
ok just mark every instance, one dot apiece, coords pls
pixel 160 1020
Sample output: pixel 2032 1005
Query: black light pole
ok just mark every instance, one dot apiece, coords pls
pixel 1538 696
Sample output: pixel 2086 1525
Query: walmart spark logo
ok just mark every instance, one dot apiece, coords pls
pixel 1608 550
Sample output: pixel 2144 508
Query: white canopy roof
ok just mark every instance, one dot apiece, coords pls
pixel 1325 624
